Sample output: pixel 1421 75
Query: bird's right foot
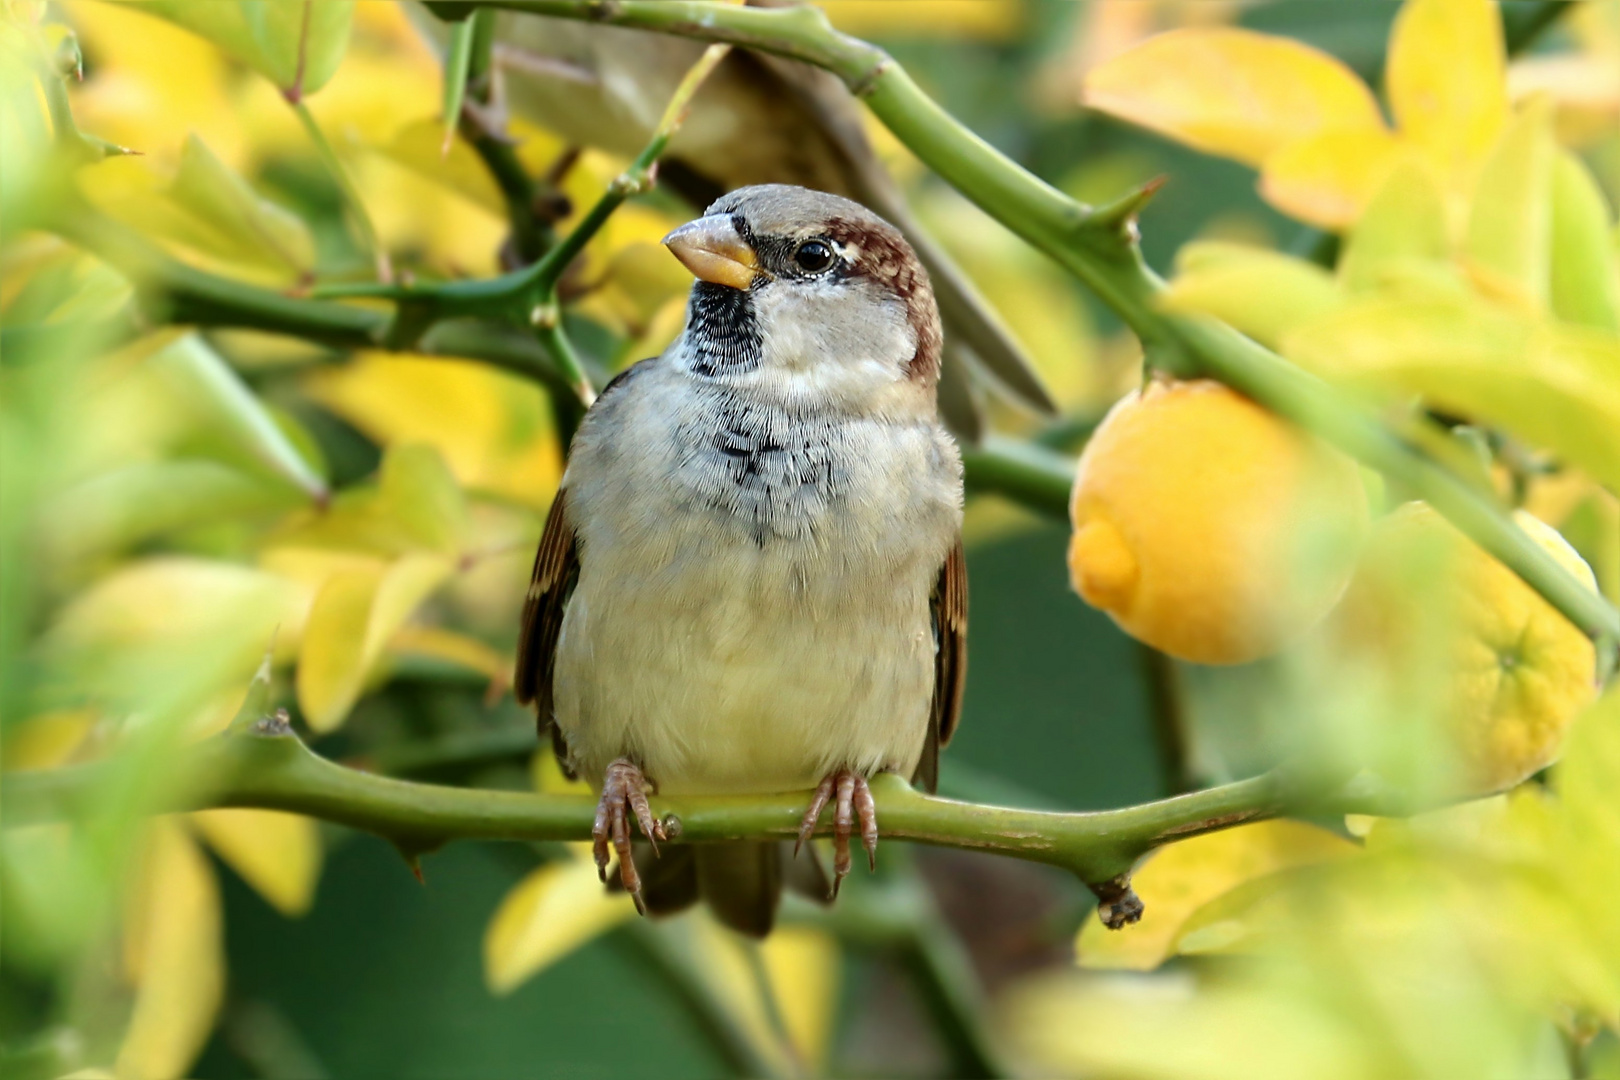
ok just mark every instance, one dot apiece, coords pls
pixel 624 795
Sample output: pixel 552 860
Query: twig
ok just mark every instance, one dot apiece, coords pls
pixel 1028 473
pixel 267 767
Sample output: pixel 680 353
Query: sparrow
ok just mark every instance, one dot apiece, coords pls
pixel 751 580
pixel 758 119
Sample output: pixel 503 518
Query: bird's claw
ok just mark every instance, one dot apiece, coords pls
pixel 624 795
pixel 852 801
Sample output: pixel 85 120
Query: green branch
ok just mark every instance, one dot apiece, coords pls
pixel 267 767
pixel 1098 246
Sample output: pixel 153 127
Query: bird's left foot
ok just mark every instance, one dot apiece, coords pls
pixel 854 802
pixel 624 795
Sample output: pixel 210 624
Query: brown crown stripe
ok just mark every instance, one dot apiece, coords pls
pixel 885 256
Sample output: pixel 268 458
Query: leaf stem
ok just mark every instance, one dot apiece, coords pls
pixel 363 227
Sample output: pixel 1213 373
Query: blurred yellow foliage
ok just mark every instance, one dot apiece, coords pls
pixel 1177 881
pixel 278 854
pixel 1307 122
pixel 174 954
pixel 550 913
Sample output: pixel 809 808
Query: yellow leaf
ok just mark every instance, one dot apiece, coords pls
pixel 1404 224
pixel 1510 222
pixel 1183 877
pixel 494 430
pixel 1446 82
pixel 174 953
pixel 1265 294
pixel 546 916
pixel 354 615
pixel 278 854
pixel 1552 385
pixel 332 660
pixel 419 146
pixel 734 977
pixel 48 740
pixel 802 964
pixel 1328 179
pixel 1233 92
pixel 1585 269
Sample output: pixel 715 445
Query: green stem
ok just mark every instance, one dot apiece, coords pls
pixel 1098 247
pixel 1027 473
pixel 366 231
pixel 269 768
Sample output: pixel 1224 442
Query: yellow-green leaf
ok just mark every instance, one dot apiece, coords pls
pixel 1552 385
pixel 1328 179
pixel 1588 821
pixel 546 916
pixel 233 221
pixel 1510 223
pixel 1446 82
pixel 437 643
pixel 1183 877
pixel 278 854
pixel 1585 269
pixel 1263 293
pixel 158 623
pixel 1405 224
pixel 223 401
pixel 1232 92
pixel 174 954
pixel 297 44
pixel 354 615
pixel 422 496
pixel 151 498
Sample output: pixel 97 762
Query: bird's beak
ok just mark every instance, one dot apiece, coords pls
pixel 711 249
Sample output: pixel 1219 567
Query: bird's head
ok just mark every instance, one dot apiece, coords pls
pixel 810 297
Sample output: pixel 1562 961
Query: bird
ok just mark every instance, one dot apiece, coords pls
pixel 751 579
pixel 757 119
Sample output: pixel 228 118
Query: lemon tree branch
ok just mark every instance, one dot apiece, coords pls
pixel 1098 245
pixel 265 766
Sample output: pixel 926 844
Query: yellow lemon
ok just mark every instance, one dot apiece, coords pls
pixel 1461 636
pixel 1209 528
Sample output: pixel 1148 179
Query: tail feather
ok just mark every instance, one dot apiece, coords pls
pixel 741 883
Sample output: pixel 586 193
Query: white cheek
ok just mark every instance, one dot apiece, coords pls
pixel 833 340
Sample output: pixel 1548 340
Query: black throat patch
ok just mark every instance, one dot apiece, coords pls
pixel 722 331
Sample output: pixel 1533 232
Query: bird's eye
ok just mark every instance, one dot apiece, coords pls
pixel 814 256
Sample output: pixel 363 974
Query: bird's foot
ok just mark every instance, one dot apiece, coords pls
pixel 854 803
pixel 624 795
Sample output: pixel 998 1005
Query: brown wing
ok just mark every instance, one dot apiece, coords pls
pixel 556 568
pixel 949 605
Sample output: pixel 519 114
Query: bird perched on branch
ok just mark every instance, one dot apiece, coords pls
pixel 758 119
pixel 751 580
